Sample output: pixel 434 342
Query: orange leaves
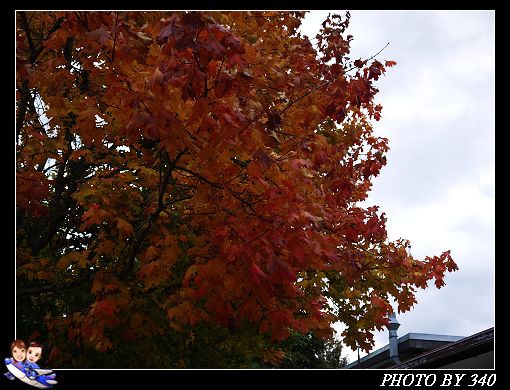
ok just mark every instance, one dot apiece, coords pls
pixel 185 313
pixel 439 265
pixel 277 324
pixel 109 285
pixel 189 275
pixel 153 274
pixel 156 78
pixel 124 227
pixel 141 325
pixel 87 128
pixel 150 254
pixel 381 304
pixel 156 269
pixel 251 310
pixel 214 163
pixel 254 170
pixel 32 188
pixel 105 308
pixel 95 215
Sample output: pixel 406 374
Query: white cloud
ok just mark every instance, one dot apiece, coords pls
pixel 438 187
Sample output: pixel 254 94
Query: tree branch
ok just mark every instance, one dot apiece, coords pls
pixel 199 177
pixel 51 288
pixel 22 108
pixel 115 38
pixel 152 217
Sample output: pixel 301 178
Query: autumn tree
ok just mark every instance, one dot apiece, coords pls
pixel 308 351
pixel 189 184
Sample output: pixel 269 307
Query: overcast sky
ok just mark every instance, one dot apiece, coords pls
pixel 437 189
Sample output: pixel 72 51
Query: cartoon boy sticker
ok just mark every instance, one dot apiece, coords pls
pixel 18 355
pixel 34 353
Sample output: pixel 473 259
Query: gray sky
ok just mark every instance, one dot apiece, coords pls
pixel 438 187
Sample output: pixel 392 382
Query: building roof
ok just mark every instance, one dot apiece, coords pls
pixel 409 346
pixel 478 344
pixel 420 350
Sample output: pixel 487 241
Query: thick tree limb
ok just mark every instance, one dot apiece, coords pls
pixel 135 249
pixel 51 288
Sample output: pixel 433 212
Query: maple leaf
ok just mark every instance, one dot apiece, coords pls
pixel 105 308
pixel 257 274
pixel 156 78
pixel 94 215
pixel 359 63
pixel 200 177
pixel 100 34
pixel 124 227
pixel 78 258
pixel 236 59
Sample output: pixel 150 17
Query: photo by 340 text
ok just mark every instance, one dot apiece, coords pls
pixel 443 380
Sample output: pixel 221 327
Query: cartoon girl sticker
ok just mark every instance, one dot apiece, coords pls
pixel 18 355
pixel 23 365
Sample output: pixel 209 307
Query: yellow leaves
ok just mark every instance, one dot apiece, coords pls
pixel 146 174
pixel 150 254
pixel 170 252
pixel 107 284
pixel 83 193
pixel 124 227
pixel 76 154
pixel 362 323
pixel 39 270
pixel 106 247
pixel 185 313
pixel 352 293
pixel 314 111
pixel 78 258
pixel 143 325
pixel 104 345
pixel 190 273
pixel 273 356
pixel 158 263
pixel 303 283
pixel 175 104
